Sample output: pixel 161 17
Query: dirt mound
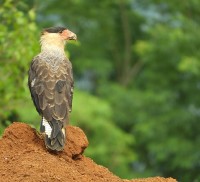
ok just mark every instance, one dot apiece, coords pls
pixel 23 157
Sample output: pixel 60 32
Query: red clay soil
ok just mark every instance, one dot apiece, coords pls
pixel 23 157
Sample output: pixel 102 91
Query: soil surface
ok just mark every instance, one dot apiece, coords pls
pixel 24 158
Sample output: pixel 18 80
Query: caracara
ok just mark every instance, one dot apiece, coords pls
pixel 51 85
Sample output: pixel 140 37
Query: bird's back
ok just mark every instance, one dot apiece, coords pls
pixel 51 86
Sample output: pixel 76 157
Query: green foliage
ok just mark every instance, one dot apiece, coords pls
pixel 18 45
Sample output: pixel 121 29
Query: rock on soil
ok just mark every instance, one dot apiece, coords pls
pixel 24 158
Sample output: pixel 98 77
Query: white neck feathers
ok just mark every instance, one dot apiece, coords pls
pixel 52 42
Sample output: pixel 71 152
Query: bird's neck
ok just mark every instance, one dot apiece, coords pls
pixel 52 44
pixel 52 50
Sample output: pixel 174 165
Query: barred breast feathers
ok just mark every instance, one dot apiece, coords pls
pixel 53 57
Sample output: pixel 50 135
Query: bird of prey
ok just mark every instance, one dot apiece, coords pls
pixel 51 85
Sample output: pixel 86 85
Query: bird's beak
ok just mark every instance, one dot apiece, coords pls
pixel 68 35
pixel 72 36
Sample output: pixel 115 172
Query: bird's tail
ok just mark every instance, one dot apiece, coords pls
pixel 54 134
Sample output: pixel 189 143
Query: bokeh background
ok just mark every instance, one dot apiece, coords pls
pixel 137 78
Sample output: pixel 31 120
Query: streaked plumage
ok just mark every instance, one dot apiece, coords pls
pixel 51 85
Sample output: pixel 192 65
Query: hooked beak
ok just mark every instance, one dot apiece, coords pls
pixel 72 37
pixel 68 35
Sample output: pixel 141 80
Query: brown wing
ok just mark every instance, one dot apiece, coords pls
pixel 51 91
pixel 70 84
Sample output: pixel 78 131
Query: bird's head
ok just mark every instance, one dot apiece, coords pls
pixel 56 36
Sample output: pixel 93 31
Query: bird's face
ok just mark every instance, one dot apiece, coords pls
pixel 67 35
pixel 60 32
pixel 56 37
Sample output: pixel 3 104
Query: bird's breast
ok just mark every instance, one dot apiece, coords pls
pixel 53 60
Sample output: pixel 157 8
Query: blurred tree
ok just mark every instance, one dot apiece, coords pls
pixel 17 47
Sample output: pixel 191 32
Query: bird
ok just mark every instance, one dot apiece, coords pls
pixel 50 81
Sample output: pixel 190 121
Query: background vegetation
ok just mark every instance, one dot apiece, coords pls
pixel 137 78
